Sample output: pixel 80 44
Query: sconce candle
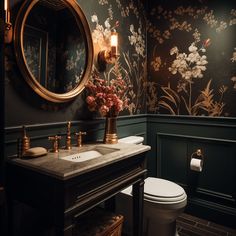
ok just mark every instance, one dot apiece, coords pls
pixel 114 44
pixel 7 12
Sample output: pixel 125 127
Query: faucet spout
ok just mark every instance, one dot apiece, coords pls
pixel 79 138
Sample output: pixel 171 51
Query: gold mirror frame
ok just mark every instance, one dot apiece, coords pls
pixel 21 60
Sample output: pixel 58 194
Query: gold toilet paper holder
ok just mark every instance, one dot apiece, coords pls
pixel 197 154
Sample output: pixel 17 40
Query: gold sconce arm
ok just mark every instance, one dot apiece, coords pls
pixel 8 31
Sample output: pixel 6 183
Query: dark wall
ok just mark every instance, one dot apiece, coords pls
pixel 192 57
pixel 23 106
pixel 174 140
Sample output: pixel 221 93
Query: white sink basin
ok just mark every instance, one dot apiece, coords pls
pixel 89 155
pixel 83 156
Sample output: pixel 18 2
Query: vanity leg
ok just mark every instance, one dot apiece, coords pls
pixel 10 216
pixel 138 208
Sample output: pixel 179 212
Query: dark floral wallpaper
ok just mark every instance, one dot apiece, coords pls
pixel 192 58
pixel 102 15
pixel 128 19
pixel 178 58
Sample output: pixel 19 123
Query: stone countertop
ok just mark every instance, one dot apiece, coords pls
pixel 52 165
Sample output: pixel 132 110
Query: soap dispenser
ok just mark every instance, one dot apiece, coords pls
pixel 25 141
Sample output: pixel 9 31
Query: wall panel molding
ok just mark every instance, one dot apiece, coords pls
pixel 39 133
pixel 212 192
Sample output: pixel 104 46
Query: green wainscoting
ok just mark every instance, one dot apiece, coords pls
pixel 39 133
pixel 212 192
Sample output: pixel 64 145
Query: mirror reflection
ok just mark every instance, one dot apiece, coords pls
pixel 54 46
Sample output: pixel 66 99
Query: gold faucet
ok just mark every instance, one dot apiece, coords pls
pixel 79 138
pixel 68 137
pixel 55 140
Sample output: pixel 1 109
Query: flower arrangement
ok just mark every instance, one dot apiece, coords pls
pixel 108 97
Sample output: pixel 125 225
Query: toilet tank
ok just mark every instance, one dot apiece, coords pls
pixel 132 140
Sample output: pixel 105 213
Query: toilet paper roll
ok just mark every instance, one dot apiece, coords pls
pixel 196 164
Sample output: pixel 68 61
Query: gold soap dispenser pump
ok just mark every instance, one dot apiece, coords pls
pixel 25 140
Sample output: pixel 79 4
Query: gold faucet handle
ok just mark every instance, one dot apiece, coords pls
pixel 79 138
pixel 55 140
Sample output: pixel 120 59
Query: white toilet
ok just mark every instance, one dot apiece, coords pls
pixel 164 201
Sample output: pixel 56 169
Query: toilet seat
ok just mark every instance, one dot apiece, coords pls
pixel 163 191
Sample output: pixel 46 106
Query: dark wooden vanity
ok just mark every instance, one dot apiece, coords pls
pixel 65 198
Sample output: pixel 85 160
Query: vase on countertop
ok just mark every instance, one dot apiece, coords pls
pixel 110 134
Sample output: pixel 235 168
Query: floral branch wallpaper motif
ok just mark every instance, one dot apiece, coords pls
pixel 128 19
pixel 192 58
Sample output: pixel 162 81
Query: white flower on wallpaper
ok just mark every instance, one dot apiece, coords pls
pixel 197 36
pixel 233 59
pixel 131 7
pixel 219 25
pixel 101 34
pixel 189 65
pixel 103 2
pixel 174 21
pixel 137 40
pixel 130 66
pixel 156 63
pixel 234 81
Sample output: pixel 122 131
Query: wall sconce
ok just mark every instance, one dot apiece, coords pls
pixel 8 31
pixel 109 57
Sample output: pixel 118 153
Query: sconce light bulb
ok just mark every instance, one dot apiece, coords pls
pixel 114 39
pixel 114 44
pixel 5 5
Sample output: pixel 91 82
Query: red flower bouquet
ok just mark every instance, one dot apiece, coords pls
pixel 108 97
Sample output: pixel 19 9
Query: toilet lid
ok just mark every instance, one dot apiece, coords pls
pixel 162 190
pixel 132 139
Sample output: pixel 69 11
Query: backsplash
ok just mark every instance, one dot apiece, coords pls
pixel 192 58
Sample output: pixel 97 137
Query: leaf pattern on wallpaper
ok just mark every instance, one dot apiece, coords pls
pixel 190 66
pixel 137 78
pixel 170 100
pixel 180 81
pixel 207 102
pixel 152 101
pixel 131 64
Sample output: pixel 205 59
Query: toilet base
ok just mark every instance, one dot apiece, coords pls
pixel 153 228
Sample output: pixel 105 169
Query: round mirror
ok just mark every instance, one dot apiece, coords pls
pixel 54 49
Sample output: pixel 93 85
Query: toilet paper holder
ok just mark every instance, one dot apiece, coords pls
pixel 197 154
pixel 196 162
